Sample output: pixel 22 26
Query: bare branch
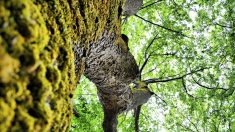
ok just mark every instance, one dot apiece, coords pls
pixel 145 116
pixel 139 63
pixel 145 55
pixel 194 125
pixel 150 70
pixel 150 44
pixel 150 4
pixel 155 80
pixel 145 63
pixel 211 88
pixel 171 30
pixel 160 98
pixel 224 26
pixel 185 127
pixel 165 54
pixel 185 88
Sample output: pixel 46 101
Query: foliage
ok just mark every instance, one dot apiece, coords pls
pixel 90 112
pixel 192 49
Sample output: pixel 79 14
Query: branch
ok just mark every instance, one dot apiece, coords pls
pixel 165 54
pixel 171 30
pixel 185 88
pixel 155 80
pixel 144 64
pixel 211 88
pixel 150 4
pixel 145 54
pixel 186 127
pixel 75 113
pixel 150 44
pixel 222 25
pixel 151 70
pixel 160 98
pixel 194 125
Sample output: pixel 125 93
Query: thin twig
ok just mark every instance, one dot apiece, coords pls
pixel 185 88
pixel 160 98
pixel 150 4
pixel 171 30
pixel 165 54
pixel 150 71
pixel 211 88
pixel 145 55
pixel 155 80
pixel 145 63
pixel 194 125
pixel 185 127
pixel 150 44
pixel 222 25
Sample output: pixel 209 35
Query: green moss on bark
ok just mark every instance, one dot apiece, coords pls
pixel 37 76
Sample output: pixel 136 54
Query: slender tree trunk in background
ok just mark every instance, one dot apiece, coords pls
pixel 37 77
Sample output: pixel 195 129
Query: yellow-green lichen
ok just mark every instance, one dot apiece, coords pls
pixel 7 115
pixel 37 76
pixel 23 36
pixel 134 90
pixel 8 66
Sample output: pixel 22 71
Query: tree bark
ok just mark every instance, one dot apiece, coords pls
pixel 110 120
pixel 110 65
pixel 37 72
pixel 37 77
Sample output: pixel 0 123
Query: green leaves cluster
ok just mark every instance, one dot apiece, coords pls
pixel 88 108
pixel 201 37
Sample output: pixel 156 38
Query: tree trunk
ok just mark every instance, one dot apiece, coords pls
pixel 37 77
pixel 110 65
pixel 37 73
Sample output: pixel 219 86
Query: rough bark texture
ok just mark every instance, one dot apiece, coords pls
pixel 112 68
pixel 131 7
pixel 110 65
pixel 37 76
